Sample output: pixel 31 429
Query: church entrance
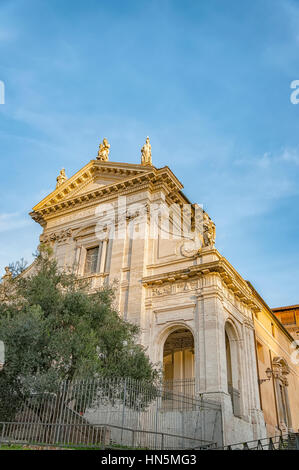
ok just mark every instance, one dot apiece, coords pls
pixel 178 362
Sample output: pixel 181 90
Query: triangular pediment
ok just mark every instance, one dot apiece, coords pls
pixel 93 176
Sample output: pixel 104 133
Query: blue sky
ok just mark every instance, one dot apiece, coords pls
pixel 208 81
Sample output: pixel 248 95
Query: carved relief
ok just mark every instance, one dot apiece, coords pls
pixel 157 291
pixel 280 368
pixel 203 235
pixel 175 288
pixel 209 231
pixel 61 236
pixel 186 286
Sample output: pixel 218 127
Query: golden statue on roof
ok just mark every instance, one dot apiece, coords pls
pixel 61 178
pixel 103 153
pixel 8 274
pixel 146 153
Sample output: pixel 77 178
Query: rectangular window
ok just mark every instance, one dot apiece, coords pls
pixel 91 261
pixel 260 352
pixel 273 329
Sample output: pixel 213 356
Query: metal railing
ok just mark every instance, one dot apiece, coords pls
pixel 288 441
pixel 184 387
pixel 99 436
pixel 86 412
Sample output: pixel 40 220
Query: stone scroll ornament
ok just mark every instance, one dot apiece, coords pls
pixel 204 238
pixel 203 235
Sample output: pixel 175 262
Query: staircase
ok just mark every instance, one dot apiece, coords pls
pixel 288 441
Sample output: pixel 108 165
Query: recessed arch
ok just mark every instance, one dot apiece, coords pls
pixel 170 328
pixel 178 358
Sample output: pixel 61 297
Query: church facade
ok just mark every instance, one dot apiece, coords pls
pixel 214 336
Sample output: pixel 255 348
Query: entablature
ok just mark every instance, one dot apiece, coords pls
pixel 192 273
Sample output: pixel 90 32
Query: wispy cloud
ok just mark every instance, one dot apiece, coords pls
pixel 265 179
pixel 221 119
pixel 247 186
pixel 271 159
pixel 291 155
pixel 12 221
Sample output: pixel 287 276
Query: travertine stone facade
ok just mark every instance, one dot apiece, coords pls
pixel 193 298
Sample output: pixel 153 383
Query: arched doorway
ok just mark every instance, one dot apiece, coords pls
pixel 178 361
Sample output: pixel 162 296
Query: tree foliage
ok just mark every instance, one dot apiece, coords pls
pixel 54 330
pixel 18 267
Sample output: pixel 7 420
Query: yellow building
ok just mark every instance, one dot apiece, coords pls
pixel 289 317
pixel 278 361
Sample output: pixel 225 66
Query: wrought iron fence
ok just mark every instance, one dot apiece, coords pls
pixel 115 412
pixel 288 441
pixel 99 436
pixel 184 387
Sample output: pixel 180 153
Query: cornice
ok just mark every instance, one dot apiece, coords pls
pixel 63 200
pixel 92 168
pixel 220 267
pixel 264 307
